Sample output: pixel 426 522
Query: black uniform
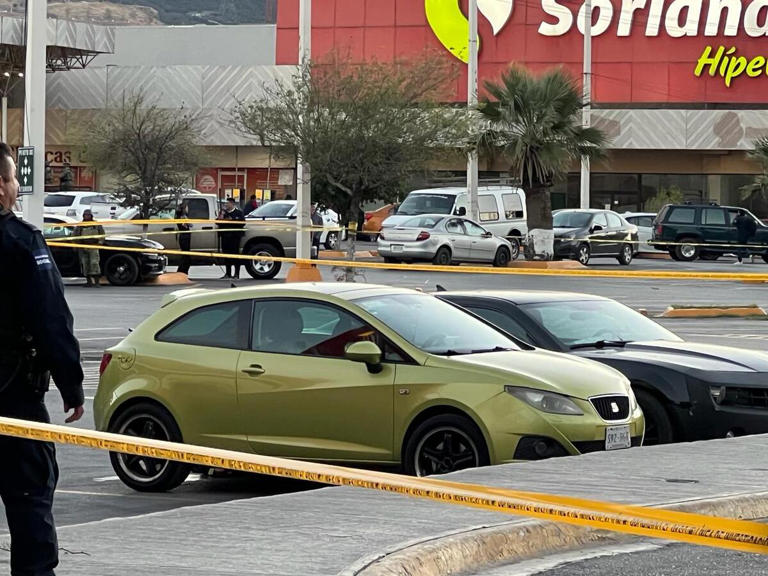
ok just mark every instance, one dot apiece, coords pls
pixel 230 241
pixel 36 340
pixel 746 228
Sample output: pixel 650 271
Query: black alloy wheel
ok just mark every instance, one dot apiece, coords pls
pixel 444 444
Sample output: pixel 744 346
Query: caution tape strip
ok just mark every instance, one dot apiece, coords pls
pixel 588 273
pixel 272 226
pixel 681 526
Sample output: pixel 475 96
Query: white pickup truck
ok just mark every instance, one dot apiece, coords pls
pixel 260 239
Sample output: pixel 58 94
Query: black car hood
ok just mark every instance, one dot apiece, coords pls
pixel 559 232
pixel 685 356
pixel 125 241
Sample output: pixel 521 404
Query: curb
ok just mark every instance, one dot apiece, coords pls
pixel 736 311
pixel 486 546
pixel 547 265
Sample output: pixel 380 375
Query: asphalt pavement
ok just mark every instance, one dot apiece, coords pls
pixel 645 558
pixel 90 492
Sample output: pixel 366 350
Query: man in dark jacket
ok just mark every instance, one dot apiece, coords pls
pixel 230 241
pixel 746 228
pixel 253 203
pixel 36 341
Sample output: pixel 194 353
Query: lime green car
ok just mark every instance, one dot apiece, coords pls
pixel 354 374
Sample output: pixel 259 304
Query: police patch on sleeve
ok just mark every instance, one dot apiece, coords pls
pixel 43 259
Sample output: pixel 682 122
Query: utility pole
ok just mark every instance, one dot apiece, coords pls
pixel 34 104
pixel 587 110
pixel 303 175
pixel 472 160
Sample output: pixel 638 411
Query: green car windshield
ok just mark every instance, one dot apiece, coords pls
pixel 585 321
pixel 435 326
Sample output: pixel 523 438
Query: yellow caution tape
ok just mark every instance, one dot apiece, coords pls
pixel 589 273
pixel 684 527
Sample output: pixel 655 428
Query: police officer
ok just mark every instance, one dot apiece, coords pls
pixel 36 341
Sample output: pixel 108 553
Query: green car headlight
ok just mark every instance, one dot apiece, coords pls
pixel 545 401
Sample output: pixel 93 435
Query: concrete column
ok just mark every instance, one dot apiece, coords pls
pixel 34 104
pixel 303 179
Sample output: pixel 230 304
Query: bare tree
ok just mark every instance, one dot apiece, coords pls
pixel 152 151
pixel 365 129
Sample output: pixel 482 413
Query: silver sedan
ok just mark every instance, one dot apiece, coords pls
pixel 444 240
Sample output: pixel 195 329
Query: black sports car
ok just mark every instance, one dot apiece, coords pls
pixel 687 391
pixel 120 268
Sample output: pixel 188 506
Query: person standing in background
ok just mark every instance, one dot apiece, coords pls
pixel 184 237
pixel 90 258
pixel 230 241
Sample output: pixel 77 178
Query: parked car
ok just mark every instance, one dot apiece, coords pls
pixel 684 230
pixel 501 208
pixel 687 391
pixel 286 210
pixel 585 234
pixel 644 223
pixel 444 240
pixel 119 268
pixel 373 220
pixel 259 239
pixel 351 373
pixel 73 204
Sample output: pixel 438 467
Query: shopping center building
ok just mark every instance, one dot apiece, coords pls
pixel 679 86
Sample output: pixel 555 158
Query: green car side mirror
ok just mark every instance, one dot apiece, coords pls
pixel 367 353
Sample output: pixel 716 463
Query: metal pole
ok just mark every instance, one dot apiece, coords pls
pixel 472 160
pixel 587 110
pixel 4 135
pixel 303 174
pixel 34 104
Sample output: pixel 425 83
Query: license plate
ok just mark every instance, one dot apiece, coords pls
pixel 617 437
pixel 396 247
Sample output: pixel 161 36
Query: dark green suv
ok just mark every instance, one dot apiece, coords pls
pixel 690 231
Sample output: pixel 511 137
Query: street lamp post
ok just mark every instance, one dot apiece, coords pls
pixel 472 159
pixel 587 109
pixel 303 175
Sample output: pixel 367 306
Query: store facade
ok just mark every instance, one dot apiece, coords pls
pixel 679 86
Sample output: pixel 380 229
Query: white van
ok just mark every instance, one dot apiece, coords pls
pixel 501 208
pixel 72 204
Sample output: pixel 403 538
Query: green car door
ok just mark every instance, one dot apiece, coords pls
pixel 716 228
pixel 299 396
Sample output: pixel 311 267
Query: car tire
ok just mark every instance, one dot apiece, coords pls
pixel 685 250
pixel 502 258
pixel 262 269
pixel 442 257
pixel 583 254
pixel 121 270
pixel 673 255
pixel 515 242
pixel 332 241
pixel 625 255
pixel 143 474
pixel 658 426
pixel 421 456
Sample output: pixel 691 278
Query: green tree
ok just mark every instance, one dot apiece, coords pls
pixel 534 123
pixel 150 150
pixel 671 195
pixel 755 194
pixel 365 129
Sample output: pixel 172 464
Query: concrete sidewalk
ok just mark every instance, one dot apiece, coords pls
pixel 354 531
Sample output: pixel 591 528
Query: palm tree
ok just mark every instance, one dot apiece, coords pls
pixel 534 122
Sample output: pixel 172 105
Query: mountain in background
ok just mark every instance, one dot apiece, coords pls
pixel 146 12
pixel 210 11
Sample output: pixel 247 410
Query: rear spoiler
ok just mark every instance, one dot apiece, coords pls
pixel 179 294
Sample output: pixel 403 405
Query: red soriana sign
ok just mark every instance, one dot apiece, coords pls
pixel 712 51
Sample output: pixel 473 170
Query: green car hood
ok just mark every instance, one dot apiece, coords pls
pixel 551 371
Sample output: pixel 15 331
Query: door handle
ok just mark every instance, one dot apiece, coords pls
pixel 254 370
